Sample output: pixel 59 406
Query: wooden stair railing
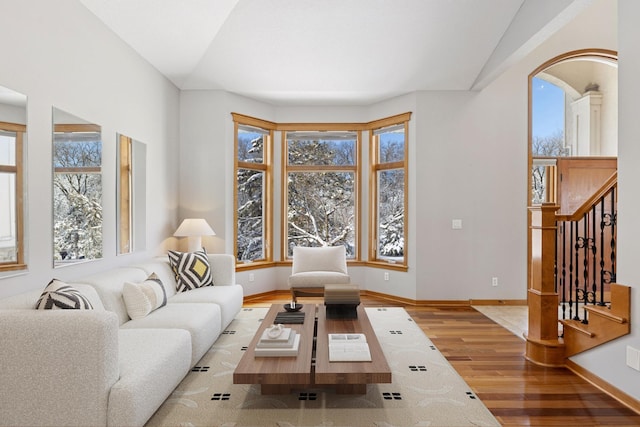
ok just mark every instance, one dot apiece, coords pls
pixel 543 347
pixel 600 322
pixel 586 252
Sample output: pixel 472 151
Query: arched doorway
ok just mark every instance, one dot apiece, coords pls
pixel 573 115
pixel 585 83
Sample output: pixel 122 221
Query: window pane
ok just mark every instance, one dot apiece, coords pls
pixel 321 210
pixel 8 253
pixel 7 148
pixel 250 215
pixel 250 145
pixel 308 148
pixel 391 145
pixel 391 214
pixel 77 150
pixel 77 196
pixel 78 216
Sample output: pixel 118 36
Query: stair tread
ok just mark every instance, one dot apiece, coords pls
pixel 578 326
pixel 605 312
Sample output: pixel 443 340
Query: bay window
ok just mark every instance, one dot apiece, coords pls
pixel 253 189
pixel 388 193
pixel 322 184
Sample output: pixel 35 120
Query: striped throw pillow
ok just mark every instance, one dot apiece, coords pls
pixel 192 270
pixel 59 295
pixel 142 298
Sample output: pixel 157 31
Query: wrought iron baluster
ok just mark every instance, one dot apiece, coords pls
pixel 563 279
pixel 594 252
pixel 602 272
pixel 614 220
pixel 585 269
pixel 576 283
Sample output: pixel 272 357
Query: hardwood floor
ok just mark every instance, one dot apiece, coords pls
pixel 490 359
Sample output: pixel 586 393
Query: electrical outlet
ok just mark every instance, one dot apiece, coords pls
pixel 386 275
pixel 633 358
pixel 251 277
pixel 494 281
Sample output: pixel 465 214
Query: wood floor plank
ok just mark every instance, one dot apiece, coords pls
pixel 491 360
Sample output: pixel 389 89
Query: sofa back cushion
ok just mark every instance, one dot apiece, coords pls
pixel 109 286
pixel 161 268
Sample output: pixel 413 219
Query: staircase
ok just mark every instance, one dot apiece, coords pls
pixel 572 266
pixel 605 323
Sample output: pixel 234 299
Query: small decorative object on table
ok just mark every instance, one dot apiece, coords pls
pixel 293 306
pixel 341 301
pixel 278 341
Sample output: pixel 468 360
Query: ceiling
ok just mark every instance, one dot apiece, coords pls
pixel 332 52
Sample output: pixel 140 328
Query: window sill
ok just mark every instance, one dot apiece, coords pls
pixel 254 265
pixel 387 265
pixel 13 267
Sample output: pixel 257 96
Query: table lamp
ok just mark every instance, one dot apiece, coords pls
pixel 194 229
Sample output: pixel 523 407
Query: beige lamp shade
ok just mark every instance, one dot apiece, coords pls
pixel 194 229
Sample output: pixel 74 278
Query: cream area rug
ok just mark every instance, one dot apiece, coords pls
pixel 426 390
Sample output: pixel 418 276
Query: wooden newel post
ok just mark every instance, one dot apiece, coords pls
pixel 543 345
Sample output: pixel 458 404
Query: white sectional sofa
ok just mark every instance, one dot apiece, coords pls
pixel 99 367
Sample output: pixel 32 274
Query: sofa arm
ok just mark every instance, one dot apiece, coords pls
pixel 223 267
pixel 58 366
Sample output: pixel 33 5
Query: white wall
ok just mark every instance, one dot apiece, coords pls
pixel 609 361
pixel 468 160
pixel 472 156
pixel 59 54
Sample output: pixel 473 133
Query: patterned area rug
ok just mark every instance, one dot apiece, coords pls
pixel 426 390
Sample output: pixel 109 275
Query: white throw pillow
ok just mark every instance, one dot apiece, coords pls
pixel 142 298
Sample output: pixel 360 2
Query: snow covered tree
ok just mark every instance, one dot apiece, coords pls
pixel 321 193
pixel 391 197
pixel 77 194
pixel 548 146
pixel 250 244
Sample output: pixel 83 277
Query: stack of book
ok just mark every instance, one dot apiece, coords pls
pixel 285 344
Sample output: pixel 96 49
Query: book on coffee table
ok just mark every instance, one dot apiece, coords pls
pixel 349 348
pixel 290 317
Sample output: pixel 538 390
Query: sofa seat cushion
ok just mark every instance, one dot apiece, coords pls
pixel 201 320
pixel 316 279
pixel 152 363
pixel 228 297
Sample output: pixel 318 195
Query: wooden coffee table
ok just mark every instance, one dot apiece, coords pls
pixel 311 367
